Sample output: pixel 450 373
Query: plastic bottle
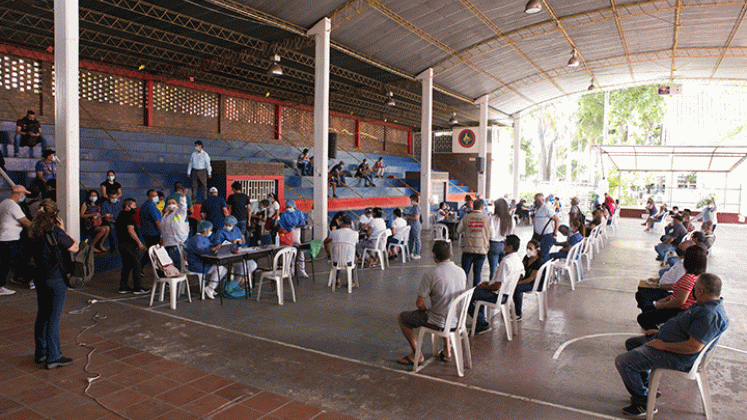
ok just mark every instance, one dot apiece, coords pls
pixel 277 240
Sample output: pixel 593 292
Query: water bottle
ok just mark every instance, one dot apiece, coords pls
pixel 277 240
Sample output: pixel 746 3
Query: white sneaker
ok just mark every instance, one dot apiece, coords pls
pixel 415 257
pixel 303 275
pixel 210 293
pixel 6 292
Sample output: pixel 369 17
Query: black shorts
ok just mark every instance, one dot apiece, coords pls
pixel 416 319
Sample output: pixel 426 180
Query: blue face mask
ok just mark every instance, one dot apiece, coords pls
pixel 155 199
pixel 94 199
pixel 197 149
pixel 20 200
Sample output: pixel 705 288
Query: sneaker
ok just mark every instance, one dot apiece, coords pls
pixel 637 410
pixel 518 317
pixel 62 361
pixel 6 292
pixel 40 360
pixel 32 286
pixel 415 257
pixel 124 291
pixel 303 275
pixel 141 291
pixel 210 293
pixel 481 327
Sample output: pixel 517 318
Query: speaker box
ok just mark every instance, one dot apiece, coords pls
pixel 332 144
pixel 480 165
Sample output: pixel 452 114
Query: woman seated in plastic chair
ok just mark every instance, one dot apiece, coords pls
pixel 399 224
pixel 230 233
pixel 200 245
pixel 532 263
pixel 90 215
pixel 573 236
pixel 657 218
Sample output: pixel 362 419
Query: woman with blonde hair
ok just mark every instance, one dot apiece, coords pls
pixel 49 240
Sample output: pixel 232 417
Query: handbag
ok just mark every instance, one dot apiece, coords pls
pixel 536 236
pixel 166 264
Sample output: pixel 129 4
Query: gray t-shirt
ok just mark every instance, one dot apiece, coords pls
pixel 442 285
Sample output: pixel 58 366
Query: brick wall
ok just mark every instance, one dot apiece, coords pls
pixel 460 167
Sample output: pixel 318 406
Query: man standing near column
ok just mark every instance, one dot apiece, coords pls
pixel 200 170
pixel 544 215
pixel 476 242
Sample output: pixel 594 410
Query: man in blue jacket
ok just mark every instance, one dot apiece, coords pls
pixel 291 221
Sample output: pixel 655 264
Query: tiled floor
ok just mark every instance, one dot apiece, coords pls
pixel 132 384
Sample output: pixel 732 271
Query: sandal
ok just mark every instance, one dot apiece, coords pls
pixel 443 357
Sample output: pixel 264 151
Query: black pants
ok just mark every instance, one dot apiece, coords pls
pixel 647 296
pixel 199 180
pixel 149 242
pixel 652 319
pixel 11 256
pixel 130 264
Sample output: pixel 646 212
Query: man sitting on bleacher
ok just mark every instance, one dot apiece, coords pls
pixel 671 240
pixel 675 345
pixel 28 133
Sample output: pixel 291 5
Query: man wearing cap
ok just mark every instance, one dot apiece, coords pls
pixel 215 209
pixel 12 222
pixel 291 220
pixel 129 246
pixel 197 245
pixel 672 239
pixel 28 133
pixel 200 170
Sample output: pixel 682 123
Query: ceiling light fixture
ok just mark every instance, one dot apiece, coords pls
pixel 574 61
pixel 390 101
pixel 275 69
pixel 533 6
pixel 591 86
pixel 453 120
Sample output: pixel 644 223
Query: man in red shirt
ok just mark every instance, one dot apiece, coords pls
pixel 28 133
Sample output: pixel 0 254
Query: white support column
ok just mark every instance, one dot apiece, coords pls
pixel 426 146
pixel 482 147
pixel 67 114
pixel 321 32
pixel 517 150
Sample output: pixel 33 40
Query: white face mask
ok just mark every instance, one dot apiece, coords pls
pixel 530 253
pixel 290 209
pixel 111 178
pixel 114 200
pixel 229 228
pixel 197 149
pixel 155 199
pixel 94 199
pixel 172 207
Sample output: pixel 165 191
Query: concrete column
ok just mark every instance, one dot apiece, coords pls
pixel 482 146
pixel 67 113
pixel 517 150
pixel 321 32
pixel 426 146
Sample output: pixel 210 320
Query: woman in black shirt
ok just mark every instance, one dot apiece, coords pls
pixel 532 263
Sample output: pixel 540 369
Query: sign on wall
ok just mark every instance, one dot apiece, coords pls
pixel 464 140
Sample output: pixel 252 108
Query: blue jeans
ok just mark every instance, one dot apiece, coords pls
pixel 662 250
pixel 414 240
pixel 518 295
pixel 241 226
pixel 173 252
pixel 50 297
pixel 557 256
pixel 635 365
pixel 17 145
pixel 495 255
pixel 485 296
pixel 546 243
pixel 478 260
pixel 12 258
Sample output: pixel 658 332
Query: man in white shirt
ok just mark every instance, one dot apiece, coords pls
pixel 343 234
pixel 505 278
pixel 375 228
pixel 175 225
pixel 12 222
pixel 200 170
pixel 662 287
pixel 442 285
pixel 399 224
pixel 546 223
pixel 365 219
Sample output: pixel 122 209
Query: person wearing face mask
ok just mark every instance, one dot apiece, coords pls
pixel 129 247
pixel 111 188
pixel 573 236
pixel 532 263
pixel 231 233
pixel 544 216
pixel 110 210
pixel 200 170
pixel 12 222
pixel 90 216
pixel 197 245
pixel 215 209
pixel 291 220
pixel 175 226
pixel 258 223
pixel 150 224
pixel 45 169
pixel 659 288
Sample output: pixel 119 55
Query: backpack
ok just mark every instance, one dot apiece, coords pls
pixel 78 268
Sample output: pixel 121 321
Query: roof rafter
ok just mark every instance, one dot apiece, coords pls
pixel 621 32
pixel 676 38
pixel 733 32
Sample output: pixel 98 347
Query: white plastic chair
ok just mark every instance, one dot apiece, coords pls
pixel 173 282
pixel 343 258
pixel 379 249
pixel 587 251
pixel 696 373
pixel 540 282
pixel 570 264
pixel 507 309
pixel 403 247
pixel 282 269
pixel 441 233
pixel 458 337
pixel 596 237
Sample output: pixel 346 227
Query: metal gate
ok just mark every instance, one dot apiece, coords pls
pixel 257 189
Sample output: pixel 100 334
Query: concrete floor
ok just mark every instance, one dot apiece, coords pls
pixel 337 350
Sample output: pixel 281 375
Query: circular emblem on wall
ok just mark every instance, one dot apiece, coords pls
pixel 467 138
